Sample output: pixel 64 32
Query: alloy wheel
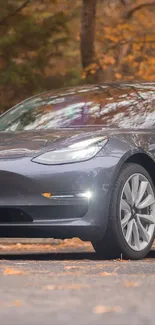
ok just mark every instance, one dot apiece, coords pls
pixel 137 212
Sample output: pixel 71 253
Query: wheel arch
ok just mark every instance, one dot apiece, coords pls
pixel 145 161
pixel 141 158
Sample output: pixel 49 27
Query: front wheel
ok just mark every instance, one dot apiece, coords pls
pixel 131 223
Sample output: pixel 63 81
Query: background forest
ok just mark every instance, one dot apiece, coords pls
pixel 47 44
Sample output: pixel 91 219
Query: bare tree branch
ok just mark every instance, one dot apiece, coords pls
pixel 135 8
pixel 12 14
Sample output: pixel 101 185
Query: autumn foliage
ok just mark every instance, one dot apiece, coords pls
pixel 125 41
pixel 40 44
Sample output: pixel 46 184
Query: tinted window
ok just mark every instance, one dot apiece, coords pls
pixel 120 106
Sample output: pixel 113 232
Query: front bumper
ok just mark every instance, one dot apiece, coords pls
pixel 23 183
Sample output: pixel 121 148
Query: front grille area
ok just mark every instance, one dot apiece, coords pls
pixel 56 212
pixel 14 215
pixel 29 214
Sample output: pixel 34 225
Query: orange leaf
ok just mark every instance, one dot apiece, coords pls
pixel 17 303
pixel 131 284
pixel 118 76
pixel 13 272
pixel 107 274
pixel 101 309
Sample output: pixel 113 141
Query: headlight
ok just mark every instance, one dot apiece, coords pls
pixel 76 152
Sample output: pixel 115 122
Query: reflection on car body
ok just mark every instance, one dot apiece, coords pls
pixel 80 162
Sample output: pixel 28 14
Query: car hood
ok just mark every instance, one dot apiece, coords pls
pixel 32 143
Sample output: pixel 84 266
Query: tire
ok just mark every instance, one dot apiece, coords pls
pixel 119 241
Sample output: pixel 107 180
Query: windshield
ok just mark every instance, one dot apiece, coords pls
pixel 126 106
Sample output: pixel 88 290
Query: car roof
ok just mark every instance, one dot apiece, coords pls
pixel 68 91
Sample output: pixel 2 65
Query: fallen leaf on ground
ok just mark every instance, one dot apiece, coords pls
pixel 107 273
pixel 65 286
pixel 13 272
pixel 101 309
pixel 68 267
pixel 131 284
pixel 17 303
pixel 19 245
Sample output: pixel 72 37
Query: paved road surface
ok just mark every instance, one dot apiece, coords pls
pixel 71 286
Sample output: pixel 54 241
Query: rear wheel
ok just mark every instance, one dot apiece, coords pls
pixel 131 223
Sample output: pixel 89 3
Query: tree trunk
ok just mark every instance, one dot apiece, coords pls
pixel 88 32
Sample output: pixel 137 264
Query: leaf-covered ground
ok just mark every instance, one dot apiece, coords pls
pixel 43 245
pixel 67 284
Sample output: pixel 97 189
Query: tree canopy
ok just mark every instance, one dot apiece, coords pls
pixel 47 44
